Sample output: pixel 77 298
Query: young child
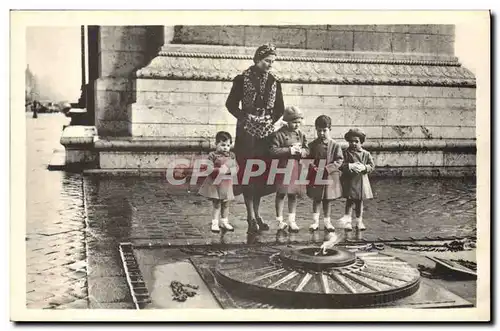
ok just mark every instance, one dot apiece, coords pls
pixel 289 143
pixel 358 163
pixel 328 159
pixel 220 192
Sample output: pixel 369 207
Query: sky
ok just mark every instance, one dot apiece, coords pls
pixel 53 55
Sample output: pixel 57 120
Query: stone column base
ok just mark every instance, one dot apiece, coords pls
pixel 392 157
pixel 78 141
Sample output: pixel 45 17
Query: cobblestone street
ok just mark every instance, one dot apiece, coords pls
pixel 148 210
pixel 74 264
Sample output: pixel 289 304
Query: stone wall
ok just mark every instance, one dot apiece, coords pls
pixel 430 39
pixel 413 99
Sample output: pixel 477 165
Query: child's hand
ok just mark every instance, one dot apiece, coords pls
pixel 361 167
pixel 224 169
pixel 303 153
pixel 353 168
pixel 357 167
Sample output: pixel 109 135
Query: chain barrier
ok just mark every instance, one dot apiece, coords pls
pixel 204 251
pixel 410 245
pixel 454 246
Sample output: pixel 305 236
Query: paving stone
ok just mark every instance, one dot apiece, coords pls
pixel 78 304
pixel 61 300
pixel 79 292
pixel 108 289
pixel 38 296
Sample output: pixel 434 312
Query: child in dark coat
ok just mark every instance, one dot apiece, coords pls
pixel 324 176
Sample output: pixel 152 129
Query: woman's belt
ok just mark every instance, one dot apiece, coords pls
pixel 258 111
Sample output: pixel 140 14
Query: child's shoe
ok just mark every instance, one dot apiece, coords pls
pixel 345 222
pixel 215 226
pixel 292 224
pixel 358 222
pixel 328 224
pixel 224 223
pixel 281 225
pixel 315 225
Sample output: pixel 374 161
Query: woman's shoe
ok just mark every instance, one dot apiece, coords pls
pixel 252 226
pixel 262 226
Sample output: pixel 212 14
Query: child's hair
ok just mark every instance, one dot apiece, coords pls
pixel 355 133
pixel 223 136
pixel 323 121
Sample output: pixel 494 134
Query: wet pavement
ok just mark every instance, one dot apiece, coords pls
pixel 148 210
pixel 75 223
pixel 55 227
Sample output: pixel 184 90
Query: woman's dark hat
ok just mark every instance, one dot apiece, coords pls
pixel 263 51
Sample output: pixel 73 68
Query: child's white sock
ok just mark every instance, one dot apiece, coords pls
pixel 328 224
pixel 281 225
pixel 291 222
pixel 215 226
pixel 315 224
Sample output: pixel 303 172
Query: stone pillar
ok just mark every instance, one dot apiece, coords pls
pixel 122 50
pixel 401 84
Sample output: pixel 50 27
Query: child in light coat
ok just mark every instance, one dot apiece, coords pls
pixel 358 163
pixel 289 143
pixel 220 190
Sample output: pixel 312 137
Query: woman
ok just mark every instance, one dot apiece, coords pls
pixel 262 105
